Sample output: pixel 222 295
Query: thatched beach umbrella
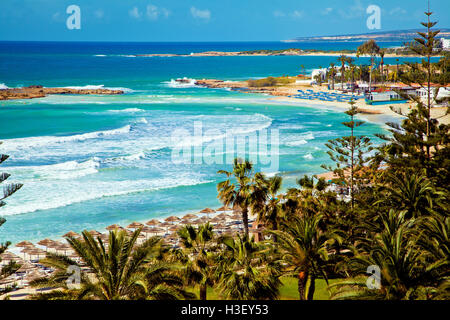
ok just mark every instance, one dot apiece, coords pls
pixel 135 225
pixel 172 219
pixel 71 234
pixel 26 266
pixel 45 243
pixel 33 275
pixel 36 252
pixel 207 211
pixel 156 230
pixel 63 247
pixel 215 220
pixel 153 222
pixel 190 216
pixel 24 244
pixel 224 208
pixel 94 233
pixel 113 227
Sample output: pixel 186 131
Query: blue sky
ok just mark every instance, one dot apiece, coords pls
pixel 206 20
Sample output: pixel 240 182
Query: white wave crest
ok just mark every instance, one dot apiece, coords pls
pixel 3 86
pixel 96 87
pixel 189 83
pixel 308 156
pixel 58 171
pixel 32 142
pixel 51 196
pixel 127 110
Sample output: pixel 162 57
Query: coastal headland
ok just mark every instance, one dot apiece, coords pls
pixel 37 91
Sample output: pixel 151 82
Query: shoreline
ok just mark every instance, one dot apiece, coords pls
pixel 281 93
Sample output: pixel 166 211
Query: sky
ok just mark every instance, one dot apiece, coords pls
pixel 206 20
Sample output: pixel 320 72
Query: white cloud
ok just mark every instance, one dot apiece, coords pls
pixel 297 14
pixel 134 13
pixel 397 10
pixel 200 14
pixel 327 11
pixel 294 14
pixel 153 12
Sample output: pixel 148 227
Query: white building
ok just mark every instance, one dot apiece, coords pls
pixel 445 43
pixel 444 92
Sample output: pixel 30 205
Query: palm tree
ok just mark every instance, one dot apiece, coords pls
pixel 413 193
pixel 270 211
pixel 123 270
pixel 370 48
pixel 245 192
pixel 196 255
pixel 332 74
pixel 342 59
pixel 304 251
pixel 245 270
pixel 382 54
pixel 404 274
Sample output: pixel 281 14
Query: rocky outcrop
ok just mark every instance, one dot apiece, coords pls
pixel 37 91
pixel 239 86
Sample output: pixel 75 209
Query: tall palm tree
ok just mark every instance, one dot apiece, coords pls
pixel 197 256
pixel 304 252
pixel 242 193
pixel 370 48
pixel 382 53
pixel 123 270
pixel 246 271
pixel 342 59
pixel 270 211
pixel 332 73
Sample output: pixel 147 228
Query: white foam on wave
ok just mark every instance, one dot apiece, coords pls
pixel 97 87
pixel 58 171
pixel 308 156
pixel 190 83
pixel 51 196
pixel 33 142
pixel 99 55
pixel 127 110
pixel 141 120
pixel 3 86
pixel 296 143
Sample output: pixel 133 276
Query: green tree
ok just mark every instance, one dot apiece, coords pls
pixel 370 48
pixel 246 270
pixel 244 192
pixel 304 252
pixel 350 155
pixel 8 190
pixel 197 256
pixel 122 269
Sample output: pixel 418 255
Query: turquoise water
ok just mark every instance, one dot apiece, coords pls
pixel 89 161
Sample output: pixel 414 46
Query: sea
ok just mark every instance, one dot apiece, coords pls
pixel 88 161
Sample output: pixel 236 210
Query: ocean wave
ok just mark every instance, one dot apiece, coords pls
pixel 58 171
pixel 176 84
pixel 127 110
pixel 55 196
pixel 33 142
pixel 3 86
pixel 99 55
pixel 308 156
pixel 296 143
